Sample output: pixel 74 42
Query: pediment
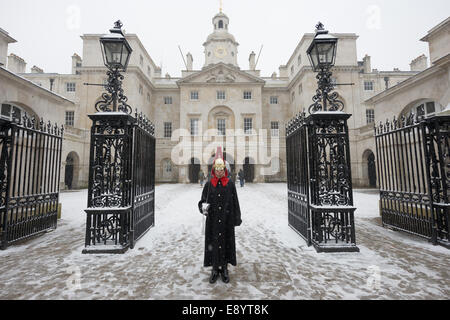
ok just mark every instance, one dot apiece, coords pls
pixel 220 74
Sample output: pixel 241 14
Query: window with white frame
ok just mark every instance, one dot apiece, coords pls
pixel 248 125
pixel 247 95
pixel 70 118
pixel 221 127
pixel 167 129
pixel 194 95
pixel 220 95
pixel 11 112
pixel 370 116
pixel 194 127
pixel 368 85
pixel 275 129
pixel 273 100
pixel 70 87
pixel 167 100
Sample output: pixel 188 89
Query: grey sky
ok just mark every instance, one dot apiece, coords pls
pixel 48 31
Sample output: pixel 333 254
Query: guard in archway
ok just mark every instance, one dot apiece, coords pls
pixel 220 204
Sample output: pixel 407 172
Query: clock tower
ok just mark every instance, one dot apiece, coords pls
pixel 221 45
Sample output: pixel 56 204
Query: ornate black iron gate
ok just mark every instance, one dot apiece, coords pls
pixel 121 191
pixel 414 172
pixel 320 190
pixel 29 178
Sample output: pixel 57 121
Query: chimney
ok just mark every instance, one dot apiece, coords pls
pixel 157 72
pixel 190 61
pixel 36 70
pixel 283 71
pixel 367 64
pixel 16 64
pixel 252 63
pixel 76 63
pixel 419 63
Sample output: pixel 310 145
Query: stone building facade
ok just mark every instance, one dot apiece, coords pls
pixel 223 104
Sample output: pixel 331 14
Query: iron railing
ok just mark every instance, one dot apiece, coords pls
pixel 414 172
pixel 30 166
pixel 121 182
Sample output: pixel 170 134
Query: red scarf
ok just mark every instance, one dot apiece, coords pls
pixel 215 180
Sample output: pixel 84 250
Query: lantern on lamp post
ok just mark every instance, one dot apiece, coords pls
pixel 322 56
pixel 116 52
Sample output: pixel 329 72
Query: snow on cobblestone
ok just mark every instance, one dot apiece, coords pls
pixel 274 262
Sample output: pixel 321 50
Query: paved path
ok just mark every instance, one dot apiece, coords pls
pixel 273 261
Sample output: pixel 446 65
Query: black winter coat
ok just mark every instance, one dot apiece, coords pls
pixel 223 215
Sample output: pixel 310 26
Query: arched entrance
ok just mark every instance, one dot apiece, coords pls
pixel 71 171
pixel 369 169
pixel 372 171
pixel 249 169
pixel 194 169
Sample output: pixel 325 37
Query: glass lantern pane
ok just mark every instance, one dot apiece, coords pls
pixel 125 55
pixel 325 52
pixel 315 57
pixel 113 52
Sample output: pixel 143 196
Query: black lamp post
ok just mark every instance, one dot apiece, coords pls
pixel 322 55
pixel 116 53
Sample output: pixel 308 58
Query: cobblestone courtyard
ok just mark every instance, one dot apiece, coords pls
pixel 273 261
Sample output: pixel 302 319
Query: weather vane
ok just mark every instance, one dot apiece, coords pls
pixel 221 5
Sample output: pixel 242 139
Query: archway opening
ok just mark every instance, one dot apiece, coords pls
pixel 249 169
pixel 194 170
pixel 369 169
pixel 372 171
pixel 71 171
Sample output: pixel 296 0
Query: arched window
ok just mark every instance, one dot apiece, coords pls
pixel 220 24
pixel 424 108
pixel 167 166
pixel 11 112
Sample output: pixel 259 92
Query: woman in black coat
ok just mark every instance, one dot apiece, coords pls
pixel 222 216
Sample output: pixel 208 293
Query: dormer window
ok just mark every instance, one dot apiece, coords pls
pixel 220 24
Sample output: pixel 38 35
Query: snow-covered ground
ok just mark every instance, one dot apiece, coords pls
pixel 273 261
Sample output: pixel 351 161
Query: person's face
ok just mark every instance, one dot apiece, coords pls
pixel 219 172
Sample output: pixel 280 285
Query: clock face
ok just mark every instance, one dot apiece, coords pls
pixel 220 52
